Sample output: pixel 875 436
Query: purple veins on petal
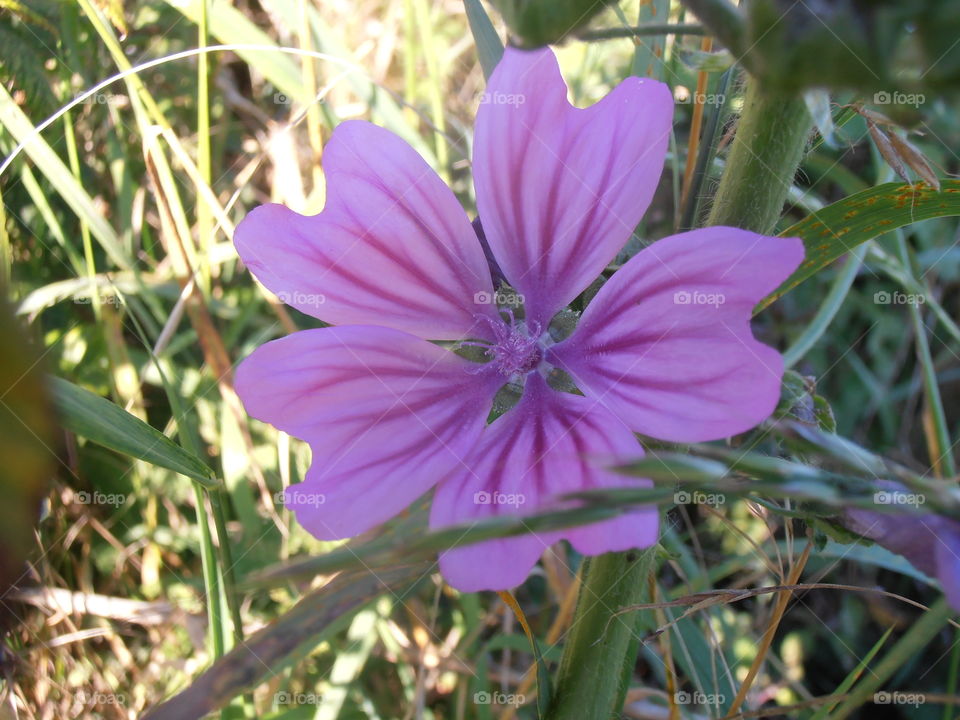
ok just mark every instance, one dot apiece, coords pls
pixel 549 444
pixel 386 415
pixel 495 272
pixel 391 247
pixel 394 263
pixel 560 189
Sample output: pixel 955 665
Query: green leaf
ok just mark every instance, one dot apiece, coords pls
pixel 649 54
pixel 840 227
pixel 489 45
pixel 99 420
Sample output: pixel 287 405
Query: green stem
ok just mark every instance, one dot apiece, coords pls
pixel 765 155
pixel 204 215
pixel 211 575
pixel 593 674
pixel 227 563
pixel 641 31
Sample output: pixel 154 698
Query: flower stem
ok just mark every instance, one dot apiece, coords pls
pixel 601 647
pixel 597 656
pixel 766 152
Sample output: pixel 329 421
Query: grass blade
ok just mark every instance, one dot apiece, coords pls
pixel 99 420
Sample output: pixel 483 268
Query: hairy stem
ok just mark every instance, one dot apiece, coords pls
pixel 766 151
pixel 591 681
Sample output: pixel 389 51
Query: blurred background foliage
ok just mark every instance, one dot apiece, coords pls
pixel 115 246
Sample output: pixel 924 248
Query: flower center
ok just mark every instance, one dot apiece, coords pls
pixel 517 352
pixel 517 349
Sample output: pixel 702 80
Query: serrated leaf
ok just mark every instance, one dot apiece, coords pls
pixel 99 420
pixel 841 226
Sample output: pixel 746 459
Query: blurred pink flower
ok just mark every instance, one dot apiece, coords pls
pixel 931 542
pixel 664 349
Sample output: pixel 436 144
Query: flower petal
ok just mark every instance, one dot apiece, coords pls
pixel 386 415
pixel 930 542
pixel 666 344
pixel 561 189
pixel 550 444
pixel 909 534
pixel 392 246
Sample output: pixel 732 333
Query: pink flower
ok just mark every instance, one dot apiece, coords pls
pixel 664 349
pixel 929 541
